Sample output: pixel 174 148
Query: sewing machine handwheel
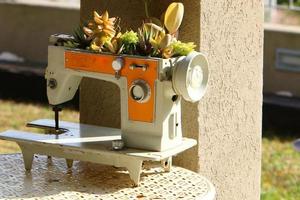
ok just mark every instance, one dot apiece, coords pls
pixel 190 77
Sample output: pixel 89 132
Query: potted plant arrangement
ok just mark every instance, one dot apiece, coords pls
pixel 154 38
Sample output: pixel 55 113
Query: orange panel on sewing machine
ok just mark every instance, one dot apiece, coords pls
pixel 101 63
pixel 141 111
pixel 89 62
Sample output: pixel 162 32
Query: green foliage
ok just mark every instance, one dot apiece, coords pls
pixel 79 39
pixel 182 49
pixel 283 2
pixel 103 34
pixel 129 41
pixel 145 35
pixel 280 168
pixel 286 2
pixel 130 37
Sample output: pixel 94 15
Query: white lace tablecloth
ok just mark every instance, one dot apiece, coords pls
pixel 51 179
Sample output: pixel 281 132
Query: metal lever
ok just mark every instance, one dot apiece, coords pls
pixel 48 129
pixel 136 66
pixel 117 74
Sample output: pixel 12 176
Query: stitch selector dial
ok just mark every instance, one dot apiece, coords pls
pixel 140 91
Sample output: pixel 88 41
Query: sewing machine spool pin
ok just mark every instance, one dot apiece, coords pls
pixel 56 130
pixel 56 110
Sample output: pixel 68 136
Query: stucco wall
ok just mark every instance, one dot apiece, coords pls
pixel 230 114
pixel 227 122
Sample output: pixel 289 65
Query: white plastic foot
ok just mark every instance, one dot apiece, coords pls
pixel 69 163
pixel 135 168
pixel 167 164
pixel 27 156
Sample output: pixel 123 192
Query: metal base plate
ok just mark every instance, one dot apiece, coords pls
pixel 89 143
pixel 51 179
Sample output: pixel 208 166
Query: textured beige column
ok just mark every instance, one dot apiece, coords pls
pixel 230 114
pixel 227 122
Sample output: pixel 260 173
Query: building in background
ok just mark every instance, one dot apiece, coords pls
pixel 282 52
pixel 26 27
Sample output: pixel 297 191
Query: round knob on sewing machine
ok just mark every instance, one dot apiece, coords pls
pixel 117 64
pixel 190 77
pixel 140 91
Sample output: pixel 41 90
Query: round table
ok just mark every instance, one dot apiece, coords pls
pixel 51 179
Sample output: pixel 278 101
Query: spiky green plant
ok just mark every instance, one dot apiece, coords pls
pixel 147 34
pixel 145 47
pixel 79 39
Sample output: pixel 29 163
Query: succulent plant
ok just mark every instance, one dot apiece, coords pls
pixel 129 42
pixel 173 17
pixel 103 34
pixel 167 52
pixel 80 39
pixel 77 40
pixel 153 40
pixel 101 30
pixel 182 49
pixel 114 45
pixel 145 34
pixel 105 24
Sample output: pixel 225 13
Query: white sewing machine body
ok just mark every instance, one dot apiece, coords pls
pixel 150 106
pixel 151 92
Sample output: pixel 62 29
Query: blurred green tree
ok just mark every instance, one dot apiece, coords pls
pixel 286 2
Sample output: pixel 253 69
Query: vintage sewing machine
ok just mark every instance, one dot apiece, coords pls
pixel 151 93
